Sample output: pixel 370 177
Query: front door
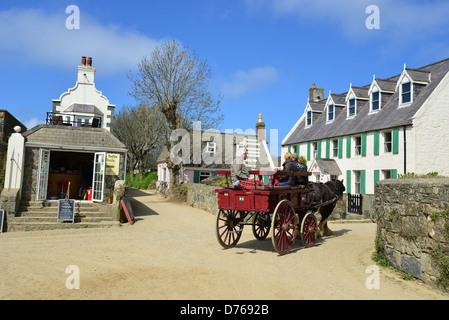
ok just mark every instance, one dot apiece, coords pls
pixel 42 175
pixel 98 176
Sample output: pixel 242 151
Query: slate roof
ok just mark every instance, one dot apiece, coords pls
pixel 72 136
pixel 328 166
pixel 390 116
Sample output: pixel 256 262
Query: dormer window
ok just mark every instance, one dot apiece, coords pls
pixel 351 107
pixel 406 93
pixel 375 101
pixel 330 113
pixel 309 118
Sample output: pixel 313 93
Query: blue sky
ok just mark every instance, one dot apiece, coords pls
pixel 264 54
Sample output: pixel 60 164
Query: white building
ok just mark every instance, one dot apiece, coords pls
pixel 83 105
pixel 385 128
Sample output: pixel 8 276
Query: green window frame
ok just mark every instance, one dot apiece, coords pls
pixel 395 141
pixel 348 147
pixel 376 143
pixel 364 145
pixel 348 181
pixel 376 177
pixel 308 151
pixel 340 148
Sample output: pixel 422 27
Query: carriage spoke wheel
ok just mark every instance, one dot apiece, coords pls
pixel 228 228
pixel 309 230
pixel 283 227
pixel 261 226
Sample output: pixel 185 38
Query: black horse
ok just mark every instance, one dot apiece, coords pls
pixel 323 193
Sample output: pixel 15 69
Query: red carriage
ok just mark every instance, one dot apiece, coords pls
pixel 281 210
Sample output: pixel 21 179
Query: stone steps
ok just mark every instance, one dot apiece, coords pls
pixel 42 215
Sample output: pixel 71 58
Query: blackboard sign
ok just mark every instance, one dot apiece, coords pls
pixel 2 219
pixel 128 209
pixel 66 210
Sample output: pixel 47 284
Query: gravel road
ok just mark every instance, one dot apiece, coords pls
pixel 171 253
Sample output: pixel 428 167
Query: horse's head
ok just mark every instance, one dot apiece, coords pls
pixel 340 187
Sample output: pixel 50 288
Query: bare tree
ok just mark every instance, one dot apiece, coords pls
pixel 141 128
pixel 177 83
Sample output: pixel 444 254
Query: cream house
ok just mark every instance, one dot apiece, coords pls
pixel 387 127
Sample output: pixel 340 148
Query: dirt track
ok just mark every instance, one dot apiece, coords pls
pixel 171 253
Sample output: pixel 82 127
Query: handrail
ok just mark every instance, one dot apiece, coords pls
pixel 57 119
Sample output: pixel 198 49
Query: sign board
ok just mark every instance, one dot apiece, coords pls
pixel 66 210
pixel 112 164
pixel 2 219
pixel 128 210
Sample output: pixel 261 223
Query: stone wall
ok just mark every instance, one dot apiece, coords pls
pixel 413 227
pixel 202 196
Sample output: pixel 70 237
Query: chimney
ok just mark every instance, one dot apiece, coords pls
pixel 83 61
pixel 89 61
pixel 315 93
pixel 260 129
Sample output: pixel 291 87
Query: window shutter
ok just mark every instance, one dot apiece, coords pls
pixel 308 151
pixel 340 148
pixel 328 149
pixel 364 145
pixel 376 143
pixel 394 174
pixel 289 149
pixel 297 149
pixel 348 181
pixel 376 177
pixel 362 181
pixel 348 147
pixel 318 155
pixel 196 177
pixel 395 141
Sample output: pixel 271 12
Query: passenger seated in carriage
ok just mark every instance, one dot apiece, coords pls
pixel 239 172
pixel 289 165
pixel 302 180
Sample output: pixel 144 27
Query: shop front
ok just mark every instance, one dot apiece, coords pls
pixel 78 163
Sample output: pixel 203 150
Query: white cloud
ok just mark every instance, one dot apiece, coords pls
pixel 398 18
pixel 243 82
pixel 36 36
pixel 31 123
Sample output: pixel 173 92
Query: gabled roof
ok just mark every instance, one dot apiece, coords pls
pixel 390 116
pixel 327 166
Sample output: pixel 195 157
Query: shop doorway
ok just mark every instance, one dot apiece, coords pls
pixel 78 175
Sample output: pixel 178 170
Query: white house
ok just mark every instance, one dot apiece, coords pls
pixel 388 127
pixel 225 149
pixel 83 105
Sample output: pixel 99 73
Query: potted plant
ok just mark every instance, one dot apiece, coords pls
pixel 110 196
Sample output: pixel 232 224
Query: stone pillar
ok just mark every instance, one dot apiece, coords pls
pixel 15 160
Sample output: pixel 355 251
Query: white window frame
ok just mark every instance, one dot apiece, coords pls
pixel 329 113
pixel 388 141
pixel 335 148
pixel 349 115
pixel 357 147
pixel 309 120
pixel 205 175
pixel 371 101
pixel 357 181
pixel 211 147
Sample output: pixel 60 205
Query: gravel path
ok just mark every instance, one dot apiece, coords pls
pixel 171 253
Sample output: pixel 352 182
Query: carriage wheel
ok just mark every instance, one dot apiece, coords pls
pixel 228 228
pixel 283 227
pixel 261 226
pixel 309 230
